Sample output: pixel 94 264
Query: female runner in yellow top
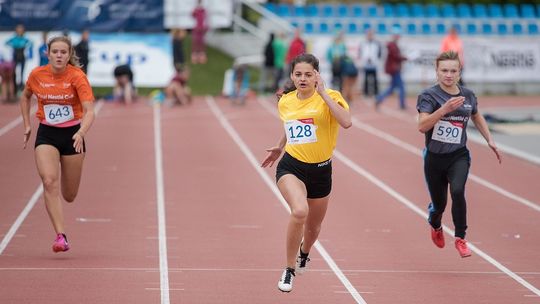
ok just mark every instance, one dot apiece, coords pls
pixel 311 117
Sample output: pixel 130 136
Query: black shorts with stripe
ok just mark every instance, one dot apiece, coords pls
pixel 60 138
pixel 316 177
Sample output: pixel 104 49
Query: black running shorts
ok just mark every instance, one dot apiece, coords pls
pixel 60 138
pixel 317 177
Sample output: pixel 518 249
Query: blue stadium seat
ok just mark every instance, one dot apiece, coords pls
pixel 464 10
pixel 338 26
pixel 283 10
pixel 511 11
pixel 366 26
pixel 324 28
pixel 532 28
pixel 480 10
pixel 327 10
pixel 441 28
pixel 372 11
pixel 417 10
pixel 356 10
pixel 495 10
pixel 517 29
pixel 458 28
pixel 295 24
pixel 426 29
pixel 411 29
pixel 487 29
pixel 352 28
pixel 271 7
pixel 299 11
pixel 382 29
pixel 342 10
pixel 471 29
pixel 309 28
pixel 527 11
pixel 312 10
pixel 432 11
pixel 388 10
pixel 448 10
pixel 402 10
pixel 502 29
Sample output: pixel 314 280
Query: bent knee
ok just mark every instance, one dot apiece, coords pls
pixel 300 214
pixel 50 183
pixel 69 197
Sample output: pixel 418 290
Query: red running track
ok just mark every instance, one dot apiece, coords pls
pixel 190 219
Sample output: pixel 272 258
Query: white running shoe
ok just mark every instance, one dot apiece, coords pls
pixel 286 280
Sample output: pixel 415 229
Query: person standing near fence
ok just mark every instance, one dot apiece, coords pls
pixel 370 56
pixel 444 112
pixel 198 48
pixel 82 49
pixel 19 43
pixel 65 113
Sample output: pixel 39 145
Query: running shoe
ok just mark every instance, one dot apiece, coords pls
pixel 462 248
pixel 285 283
pixel 301 261
pixel 61 243
pixel 437 236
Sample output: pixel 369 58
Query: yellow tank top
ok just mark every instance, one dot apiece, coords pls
pixel 310 127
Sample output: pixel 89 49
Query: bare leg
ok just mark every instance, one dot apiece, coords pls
pixel 48 165
pixel 294 192
pixel 71 166
pixel 317 211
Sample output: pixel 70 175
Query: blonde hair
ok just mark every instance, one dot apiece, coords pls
pixel 448 55
pixel 73 58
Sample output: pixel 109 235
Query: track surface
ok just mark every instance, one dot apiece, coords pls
pixel 174 209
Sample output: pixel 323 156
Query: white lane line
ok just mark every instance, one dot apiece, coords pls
pixel 160 194
pixel 24 213
pixel 14 122
pixel 400 198
pixel 398 142
pixel 253 161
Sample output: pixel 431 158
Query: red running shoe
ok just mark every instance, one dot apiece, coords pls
pixel 462 248
pixel 437 236
pixel 61 243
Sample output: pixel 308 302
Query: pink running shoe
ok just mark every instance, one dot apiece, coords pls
pixel 462 248
pixel 61 243
pixel 437 236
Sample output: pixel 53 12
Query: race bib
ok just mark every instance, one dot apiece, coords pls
pixel 57 114
pixel 301 131
pixel 447 132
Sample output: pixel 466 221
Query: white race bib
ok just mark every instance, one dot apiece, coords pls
pixel 56 114
pixel 301 131
pixel 447 132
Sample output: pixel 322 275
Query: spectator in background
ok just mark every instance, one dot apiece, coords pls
pixel 392 67
pixel 124 90
pixel 296 47
pixel 280 52
pixel 268 65
pixel 240 85
pixel 349 75
pixel 178 36
pixel 7 68
pixel 334 55
pixel 19 43
pixel 82 49
pixel 178 92
pixel 198 52
pixel 452 42
pixel 370 55
pixel 43 56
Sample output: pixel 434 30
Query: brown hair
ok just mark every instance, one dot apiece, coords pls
pixel 448 55
pixel 73 58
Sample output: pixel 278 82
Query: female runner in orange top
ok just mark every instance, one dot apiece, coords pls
pixel 65 113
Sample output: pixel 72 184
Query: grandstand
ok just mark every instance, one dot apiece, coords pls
pixel 413 19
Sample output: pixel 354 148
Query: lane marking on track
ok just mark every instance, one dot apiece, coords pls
pixel 160 195
pixel 409 204
pixel 382 271
pixel 477 138
pixel 253 161
pixel 15 122
pixel 24 213
pixel 408 147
